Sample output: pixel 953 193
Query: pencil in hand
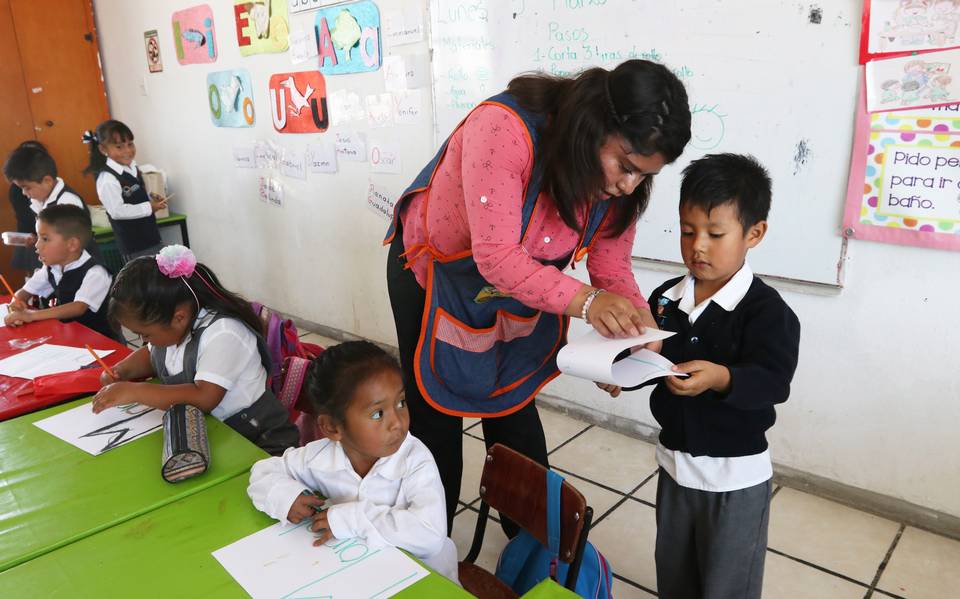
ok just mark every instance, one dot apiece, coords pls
pixel 106 368
pixel 13 295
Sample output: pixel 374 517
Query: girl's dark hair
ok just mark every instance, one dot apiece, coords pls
pixel 142 291
pixel 334 376
pixel 106 132
pixel 641 100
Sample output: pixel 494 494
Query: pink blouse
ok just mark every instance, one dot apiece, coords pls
pixel 475 202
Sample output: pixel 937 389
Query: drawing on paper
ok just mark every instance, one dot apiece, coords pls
pixel 193 35
pixel 230 98
pixel 298 102
pixel 348 38
pixel 262 26
pixel 98 433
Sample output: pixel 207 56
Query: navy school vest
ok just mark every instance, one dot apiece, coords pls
pixel 92 248
pixel 66 290
pixel 482 353
pixel 134 234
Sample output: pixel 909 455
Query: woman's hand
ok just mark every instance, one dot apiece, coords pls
pixel 649 323
pixel 613 315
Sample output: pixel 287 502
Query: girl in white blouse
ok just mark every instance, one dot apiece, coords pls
pixel 381 483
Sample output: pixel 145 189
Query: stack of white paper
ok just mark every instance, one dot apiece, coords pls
pixel 592 357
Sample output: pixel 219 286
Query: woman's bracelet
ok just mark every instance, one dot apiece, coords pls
pixel 586 304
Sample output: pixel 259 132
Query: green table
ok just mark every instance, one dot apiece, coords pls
pixel 165 553
pixel 53 494
pixel 105 234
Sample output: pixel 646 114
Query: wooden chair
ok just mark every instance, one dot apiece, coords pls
pixel 516 486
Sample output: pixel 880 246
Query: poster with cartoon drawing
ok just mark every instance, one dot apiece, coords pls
pixel 193 35
pixel 230 98
pixel 298 102
pixel 348 38
pixel 893 26
pixel 262 26
pixel 913 81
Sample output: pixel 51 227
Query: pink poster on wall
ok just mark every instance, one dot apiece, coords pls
pixel 904 184
pixel 193 35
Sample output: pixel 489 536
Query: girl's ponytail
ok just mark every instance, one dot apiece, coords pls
pixel 106 132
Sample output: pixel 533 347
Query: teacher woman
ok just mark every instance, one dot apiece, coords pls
pixel 531 182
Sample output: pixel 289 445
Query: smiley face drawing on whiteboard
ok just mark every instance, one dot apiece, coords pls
pixel 706 126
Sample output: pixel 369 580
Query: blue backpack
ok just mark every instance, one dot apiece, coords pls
pixel 525 562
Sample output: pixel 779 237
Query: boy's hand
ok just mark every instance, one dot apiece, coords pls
pixel 321 526
pixel 114 394
pixel 703 376
pixel 613 390
pixel 157 202
pixel 16 305
pixel 18 317
pixel 304 507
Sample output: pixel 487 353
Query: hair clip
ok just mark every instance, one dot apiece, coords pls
pixel 176 261
pixel 89 137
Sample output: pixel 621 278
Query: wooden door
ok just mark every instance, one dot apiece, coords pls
pixel 52 90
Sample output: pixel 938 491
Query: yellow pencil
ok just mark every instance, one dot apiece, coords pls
pixel 109 370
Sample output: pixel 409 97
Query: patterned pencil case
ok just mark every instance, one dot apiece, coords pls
pixel 186 452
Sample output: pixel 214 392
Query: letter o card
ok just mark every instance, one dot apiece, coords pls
pixel 298 102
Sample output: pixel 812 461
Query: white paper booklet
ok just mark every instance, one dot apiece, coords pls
pixel 592 357
pixel 280 562
pixel 48 358
pixel 97 433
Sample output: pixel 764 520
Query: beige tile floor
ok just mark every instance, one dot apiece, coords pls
pixel 818 549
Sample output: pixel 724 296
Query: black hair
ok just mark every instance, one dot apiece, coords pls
pixel 106 132
pixel 142 291
pixel 718 179
pixel 68 220
pixel 641 100
pixel 333 377
pixel 29 162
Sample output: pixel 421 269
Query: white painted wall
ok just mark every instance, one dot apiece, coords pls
pixel 876 401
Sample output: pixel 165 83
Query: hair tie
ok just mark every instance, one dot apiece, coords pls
pixel 89 137
pixel 176 261
pixel 610 104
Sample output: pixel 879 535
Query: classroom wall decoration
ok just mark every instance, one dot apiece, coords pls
pixel 913 81
pixel 193 35
pixel 896 27
pixel 262 26
pixel 152 42
pixel 230 98
pixel 298 102
pixel 348 38
pixel 904 183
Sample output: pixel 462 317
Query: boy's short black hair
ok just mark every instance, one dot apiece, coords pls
pixel 717 179
pixel 29 163
pixel 68 220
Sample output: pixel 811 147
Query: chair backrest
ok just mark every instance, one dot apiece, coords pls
pixel 516 486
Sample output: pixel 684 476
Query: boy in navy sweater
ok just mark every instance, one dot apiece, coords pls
pixel 73 282
pixel 737 341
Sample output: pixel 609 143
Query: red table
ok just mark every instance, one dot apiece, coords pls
pixel 16 395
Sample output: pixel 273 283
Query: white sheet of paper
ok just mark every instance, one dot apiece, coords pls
pixel 48 359
pixel 384 157
pixel 271 191
pixel 244 157
pixel 408 106
pixel 591 357
pixel 394 73
pixel 281 561
pixel 293 164
pixel 322 158
pixel 97 433
pixel 4 310
pixel 303 45
pixel 381 201
pixel 345 107
pixel 379 109
pixel 402 26
pixel 418 70
pixel 351 146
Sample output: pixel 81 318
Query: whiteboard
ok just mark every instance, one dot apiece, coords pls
pixel 773 78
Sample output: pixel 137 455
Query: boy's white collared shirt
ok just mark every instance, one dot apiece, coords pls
pixel 400 502
pixel 93 290
pixel 68 198
pixel 706 473
pixel 110 193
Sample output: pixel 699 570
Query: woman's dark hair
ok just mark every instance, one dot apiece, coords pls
pixel 333 377
pixel 641 100
pixel 142 291
pixel 106 132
